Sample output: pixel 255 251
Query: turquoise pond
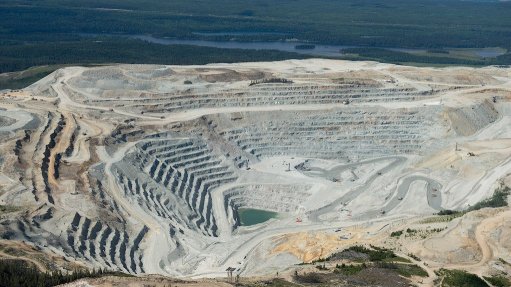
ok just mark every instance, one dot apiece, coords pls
pixel 249 216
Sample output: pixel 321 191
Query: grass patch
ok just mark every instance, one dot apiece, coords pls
pixel 376 253
pixel 396 259
pixel 349 269
pixel 460 278
pixel 498 281
pixel 406 270
pixel 409 270
pixel 442 218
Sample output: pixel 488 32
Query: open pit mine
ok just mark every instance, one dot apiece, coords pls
pixel 168 170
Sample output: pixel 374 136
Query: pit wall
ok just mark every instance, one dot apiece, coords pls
pixel 467 120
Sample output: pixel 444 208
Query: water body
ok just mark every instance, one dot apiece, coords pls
pixel 237 33
pixel 489 53
pixel 319 50
pixel 289 46
pixel 331 51
pixel 250 216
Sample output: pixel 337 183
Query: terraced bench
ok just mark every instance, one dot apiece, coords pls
pixel 105 245
pixel 265 95
pixel 186 168
pixel 352 132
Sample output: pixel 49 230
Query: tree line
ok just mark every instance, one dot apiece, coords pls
pixel 19 273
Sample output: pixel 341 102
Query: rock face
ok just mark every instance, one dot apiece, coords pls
pixel 470 119
pixel 143 169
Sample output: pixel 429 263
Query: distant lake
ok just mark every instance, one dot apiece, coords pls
pixel 237 33
pixel 290 46
pixel 249 216
pixel 489 53
pixel 320 50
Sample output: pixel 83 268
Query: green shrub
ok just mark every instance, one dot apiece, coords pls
pixel 460 278
pixel 408 270
pixel 442 218
pixel 447 212
pixel 375 253
pixel 321 267
pixel 498 281
pixel 417 258
pixel 411 231
pixel 349 269
pixel 498 199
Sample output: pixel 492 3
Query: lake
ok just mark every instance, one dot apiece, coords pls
pixel 290 46
pixel 331 51
pixel 250 216
pixel 286 46
pixel 238 33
